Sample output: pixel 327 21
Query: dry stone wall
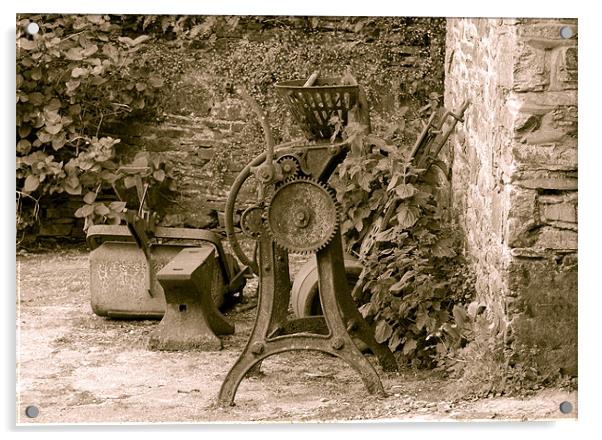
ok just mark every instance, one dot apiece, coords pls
pixel 210 135
pixel 515 179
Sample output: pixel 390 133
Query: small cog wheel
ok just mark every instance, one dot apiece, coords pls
pixel 251 221
pixel 303 215
pixel 289 165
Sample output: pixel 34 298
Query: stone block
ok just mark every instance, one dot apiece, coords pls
pixel 205 154
pixel 173 220
pixel 201 219
pixel 554 126
pixel 570 58
pixel 564 69
pixel 526 123
pixel 558 209
pixel 236 126
pixel 521 233
pixel 551 238
pixel 230 110
pixel 551 157
pixel 548 44
pixel 530 70
pixel 567 115
pixel 521 203
pixel 540 103
pixel 545 180
pixel 528 253
pixel 59 212
pixel 549 30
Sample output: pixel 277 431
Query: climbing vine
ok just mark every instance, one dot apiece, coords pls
pixel 80 73
pixel 415 282
pixel 399 61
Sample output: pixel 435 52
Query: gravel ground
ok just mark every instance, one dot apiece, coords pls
pixel 77 367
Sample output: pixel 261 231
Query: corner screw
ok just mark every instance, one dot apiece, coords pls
pixel 32 411
pixel 32 29
pixel 566 407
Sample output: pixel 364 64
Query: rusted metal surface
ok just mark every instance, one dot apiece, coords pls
pixel 186 237
pixel 313 107
pixel 305 293
pixel 434 135
pixel 123 282
pixel 332 333
pixel 119 280
pixel 191 320
pixel 301 215
pixel 311 157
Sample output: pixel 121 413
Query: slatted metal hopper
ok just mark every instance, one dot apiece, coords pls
pixel 319 108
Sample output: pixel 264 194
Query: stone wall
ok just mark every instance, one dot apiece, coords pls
pixel 515 179
pixel 210 134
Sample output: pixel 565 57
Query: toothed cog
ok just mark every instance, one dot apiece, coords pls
pixel 303 216
pixel 289 165
pixel 251 221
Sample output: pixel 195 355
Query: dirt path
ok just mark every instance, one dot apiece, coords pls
pixel 77 367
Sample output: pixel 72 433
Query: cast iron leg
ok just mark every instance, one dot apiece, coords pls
pixel 266 338
pixel 333 287
pixel 359 328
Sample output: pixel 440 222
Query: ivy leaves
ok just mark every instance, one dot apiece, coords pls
pixel 76 74
pixel 414 279
pixel 31 183
pixel 407 216
pixel 140 182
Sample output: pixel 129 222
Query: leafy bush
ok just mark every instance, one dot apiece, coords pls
pixel 74 75
pixel 414 278
pixel 141 184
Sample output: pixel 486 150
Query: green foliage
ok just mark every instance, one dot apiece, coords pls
pixel 399 62
pixel 483 362
pixel 144 182
pixel 414 278
pixel 80 73
pixel 77 73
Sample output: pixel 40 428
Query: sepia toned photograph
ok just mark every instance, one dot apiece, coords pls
pixel 269 218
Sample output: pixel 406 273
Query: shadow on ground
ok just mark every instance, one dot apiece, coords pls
pixel 77 367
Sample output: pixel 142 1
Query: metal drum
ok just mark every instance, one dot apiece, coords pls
pixel 305 295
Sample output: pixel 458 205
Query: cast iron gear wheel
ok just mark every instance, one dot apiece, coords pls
pixel 303 215
pixel 251 221
pixel 290 166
